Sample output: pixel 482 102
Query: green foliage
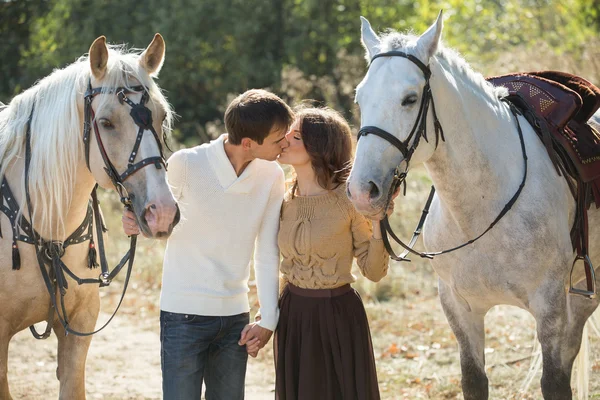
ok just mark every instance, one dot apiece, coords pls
pixel 15 29
pixel 298 48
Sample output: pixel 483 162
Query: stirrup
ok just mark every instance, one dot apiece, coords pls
pixel 587 293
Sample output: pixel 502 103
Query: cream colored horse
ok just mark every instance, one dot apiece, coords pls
pixel 60 184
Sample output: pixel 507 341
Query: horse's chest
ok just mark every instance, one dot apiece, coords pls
pixel 514 251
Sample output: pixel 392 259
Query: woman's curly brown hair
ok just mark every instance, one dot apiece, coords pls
pixel 328 141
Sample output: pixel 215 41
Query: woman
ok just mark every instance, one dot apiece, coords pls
pixel 323 346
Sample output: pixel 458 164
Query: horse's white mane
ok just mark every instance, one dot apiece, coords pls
pixel 56 130
pixel 449 58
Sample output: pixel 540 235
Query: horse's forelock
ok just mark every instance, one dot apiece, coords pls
pixel 123 65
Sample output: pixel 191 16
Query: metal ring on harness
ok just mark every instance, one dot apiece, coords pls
pixel 123 194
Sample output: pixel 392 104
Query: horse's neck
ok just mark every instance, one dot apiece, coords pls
pixel 479 166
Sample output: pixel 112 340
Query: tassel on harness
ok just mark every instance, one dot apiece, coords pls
pixel 92 261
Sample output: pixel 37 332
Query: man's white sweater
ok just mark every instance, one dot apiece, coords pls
pixel 224 218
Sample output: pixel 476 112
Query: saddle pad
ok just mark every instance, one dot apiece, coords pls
pixel 558 105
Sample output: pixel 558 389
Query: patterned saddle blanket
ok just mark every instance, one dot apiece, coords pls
pixel 560 106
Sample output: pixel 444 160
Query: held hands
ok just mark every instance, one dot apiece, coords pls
pixel 254 337
pixel 130 226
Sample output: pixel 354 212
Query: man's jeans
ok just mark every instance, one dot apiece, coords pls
pixel 196 348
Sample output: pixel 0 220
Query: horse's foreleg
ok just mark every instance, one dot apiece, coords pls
pixel 4 340
pixel 468 327
pixel 72 351
pixel 560 321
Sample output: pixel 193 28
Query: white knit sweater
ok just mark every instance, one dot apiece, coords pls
pixel 224 219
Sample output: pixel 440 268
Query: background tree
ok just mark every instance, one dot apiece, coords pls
pixel 297 48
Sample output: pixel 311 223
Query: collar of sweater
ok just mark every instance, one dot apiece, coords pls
pixel 224 170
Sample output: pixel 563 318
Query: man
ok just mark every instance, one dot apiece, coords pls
pixel 230 193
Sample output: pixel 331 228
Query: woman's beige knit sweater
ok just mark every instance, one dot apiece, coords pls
pixel 318 238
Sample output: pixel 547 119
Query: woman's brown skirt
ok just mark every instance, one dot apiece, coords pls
pixel 323 348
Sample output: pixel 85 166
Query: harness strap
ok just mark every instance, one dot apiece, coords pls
pixel 142 116
pixel 49 255
pixel 386 228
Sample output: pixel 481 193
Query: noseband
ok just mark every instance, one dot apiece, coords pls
pixel 407 149
pixel 142 116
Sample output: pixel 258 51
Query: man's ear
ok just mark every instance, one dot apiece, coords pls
pixel 246 143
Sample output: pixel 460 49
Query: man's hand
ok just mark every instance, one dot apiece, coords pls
pixel 254 337
pixel 130 226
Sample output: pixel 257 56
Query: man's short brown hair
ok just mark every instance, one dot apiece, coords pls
pixel 254 113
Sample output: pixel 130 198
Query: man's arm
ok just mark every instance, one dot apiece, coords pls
pixel 266 269
pixel 266 257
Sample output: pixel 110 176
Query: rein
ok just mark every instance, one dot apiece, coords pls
pixel 420 130
pixel 49 253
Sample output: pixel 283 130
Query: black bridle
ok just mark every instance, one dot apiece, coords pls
pixel 50 253
pixel 142 116
pixel 407 149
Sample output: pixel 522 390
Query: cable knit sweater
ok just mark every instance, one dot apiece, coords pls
pixel 225 219
pixel 320 235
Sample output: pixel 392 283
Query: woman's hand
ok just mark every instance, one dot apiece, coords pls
pixel 390 210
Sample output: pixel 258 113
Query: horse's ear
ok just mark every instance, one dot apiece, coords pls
pixel 369 39
pixel 153 57
pixel 98 57
pixel 428 42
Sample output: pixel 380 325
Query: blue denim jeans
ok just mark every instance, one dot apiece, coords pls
pixel 196 348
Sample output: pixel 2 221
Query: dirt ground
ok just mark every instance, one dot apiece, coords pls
pixel 416 354
pixel 123 361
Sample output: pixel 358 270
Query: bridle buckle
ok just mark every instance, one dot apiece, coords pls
pixel 123 194
pixel 104 279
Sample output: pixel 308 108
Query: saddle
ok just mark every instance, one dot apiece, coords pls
pixel 559 107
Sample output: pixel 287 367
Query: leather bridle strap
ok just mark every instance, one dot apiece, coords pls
pixel 142 117
pixel 386 228
pixel 415 60
pixel 50 254
pixel 419 130
pixel 393 140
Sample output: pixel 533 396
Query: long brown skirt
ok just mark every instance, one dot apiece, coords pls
pixel 323 348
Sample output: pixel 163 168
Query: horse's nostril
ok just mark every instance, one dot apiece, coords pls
pixel 348 192
pixel 143 216
pixel 177 217
pixel 374 190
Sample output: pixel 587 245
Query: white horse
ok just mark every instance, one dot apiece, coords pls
pixel 526 258
pixel 52 114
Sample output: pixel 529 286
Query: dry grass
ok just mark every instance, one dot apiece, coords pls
pixel 416 352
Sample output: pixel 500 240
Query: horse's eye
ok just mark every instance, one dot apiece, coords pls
pixel 106 123
pixel 409 100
